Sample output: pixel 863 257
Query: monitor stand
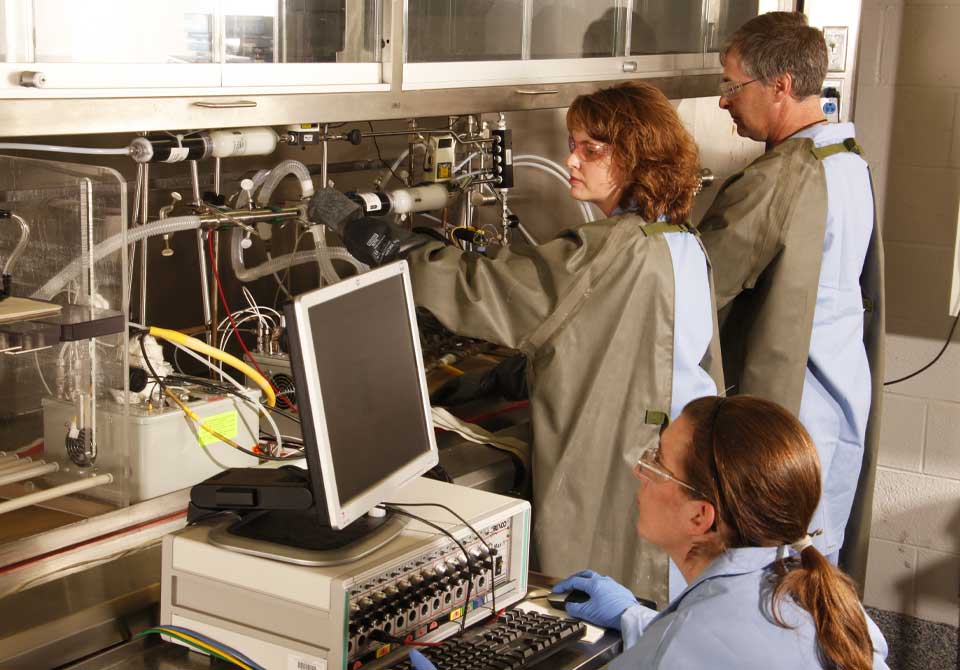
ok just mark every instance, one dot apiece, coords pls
pixel 298 536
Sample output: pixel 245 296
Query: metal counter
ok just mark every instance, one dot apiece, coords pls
pixel 155 654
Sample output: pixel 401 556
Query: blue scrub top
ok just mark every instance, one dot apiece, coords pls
pixel 692 319
pixel 836 392
pixel 723 620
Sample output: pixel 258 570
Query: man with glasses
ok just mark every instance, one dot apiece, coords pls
pixel 797 265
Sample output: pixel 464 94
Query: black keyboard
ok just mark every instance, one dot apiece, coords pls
pixel 518 639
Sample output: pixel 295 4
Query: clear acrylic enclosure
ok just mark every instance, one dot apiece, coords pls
pixel 59 373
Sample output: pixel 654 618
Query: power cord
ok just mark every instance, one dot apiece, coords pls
pixel 376 146
pixel 935 358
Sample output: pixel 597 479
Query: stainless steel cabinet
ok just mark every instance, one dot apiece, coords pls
pixel 227 63
pixel 522 41
pixel 104 48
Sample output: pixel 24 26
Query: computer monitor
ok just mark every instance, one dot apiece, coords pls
pixel 361 390
pixel 367 429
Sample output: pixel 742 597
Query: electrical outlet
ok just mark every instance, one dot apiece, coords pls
pixel 836 39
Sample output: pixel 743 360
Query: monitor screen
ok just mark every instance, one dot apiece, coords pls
pixel 361 389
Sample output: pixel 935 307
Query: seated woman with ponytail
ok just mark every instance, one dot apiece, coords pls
pixel 729 495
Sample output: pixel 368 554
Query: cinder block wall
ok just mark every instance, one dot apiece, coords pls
pixel 908 119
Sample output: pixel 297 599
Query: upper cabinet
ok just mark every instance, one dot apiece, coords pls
pixel 498 42
pixel 102 48
pixel 230 63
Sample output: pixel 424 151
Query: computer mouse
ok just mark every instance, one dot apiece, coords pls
pixel 559 600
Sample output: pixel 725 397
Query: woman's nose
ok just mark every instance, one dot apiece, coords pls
pixel 572 160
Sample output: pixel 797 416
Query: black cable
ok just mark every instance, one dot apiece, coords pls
pixel 153 373
pixel 935 358
pixel 211 385
pixel 283 413
pixel 393 508
pixel 490 552
pixel 431 232
pixel 376 145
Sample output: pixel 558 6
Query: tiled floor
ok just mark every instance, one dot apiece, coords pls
pixel 916 644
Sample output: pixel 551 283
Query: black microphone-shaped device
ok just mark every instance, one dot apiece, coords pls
pixel 333 209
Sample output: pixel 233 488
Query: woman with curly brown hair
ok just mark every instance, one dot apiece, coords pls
pixel 615 317
pixel 729 493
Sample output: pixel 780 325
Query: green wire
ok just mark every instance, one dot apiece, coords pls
pixel 204 650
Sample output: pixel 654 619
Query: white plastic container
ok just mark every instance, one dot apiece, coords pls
pixel 243 142
pixel 165 450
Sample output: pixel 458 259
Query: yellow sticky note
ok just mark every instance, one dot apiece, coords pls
pixel 224 423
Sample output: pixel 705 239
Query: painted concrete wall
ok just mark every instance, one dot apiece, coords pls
pixel 908 119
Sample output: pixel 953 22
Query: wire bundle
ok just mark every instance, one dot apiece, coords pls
pixel 204 644
pixel 188 344
pixel 398 509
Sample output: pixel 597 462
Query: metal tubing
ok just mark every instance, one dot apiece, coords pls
pixel 527 236
pixel 324 157
pixel 5 457
pixel 54 492
pixel 204 283
pixel 144 217
pixel 352 166
pixel 195 183
pixel 214 312
pixel 252 216
pixel 390 133
pixel 205 278
pixel 37 470
pixel 216 176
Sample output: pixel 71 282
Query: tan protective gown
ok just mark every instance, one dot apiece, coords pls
pixel 764 234
pixel 593 310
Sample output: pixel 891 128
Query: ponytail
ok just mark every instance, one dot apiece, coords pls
pixel 757 466
pixel 831 599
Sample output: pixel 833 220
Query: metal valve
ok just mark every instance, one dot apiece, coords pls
pixel 164 213
pixel 246 185
pixel 706 179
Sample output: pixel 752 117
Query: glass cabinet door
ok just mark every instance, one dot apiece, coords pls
pixel 440 31
pixel 291 42
pixel 723 17
pixel 666 27
pixel 190 44
pixel 576 29
pixel 498 42
pixel 109 43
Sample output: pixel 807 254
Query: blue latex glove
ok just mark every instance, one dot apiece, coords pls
pixel 420 662
pixel 608 599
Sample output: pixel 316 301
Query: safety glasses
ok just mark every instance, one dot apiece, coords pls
pixel 731 89
pixel 650 468
pixel 588 150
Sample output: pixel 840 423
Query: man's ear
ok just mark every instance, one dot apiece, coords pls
pixel 702 516
pixel 782 87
